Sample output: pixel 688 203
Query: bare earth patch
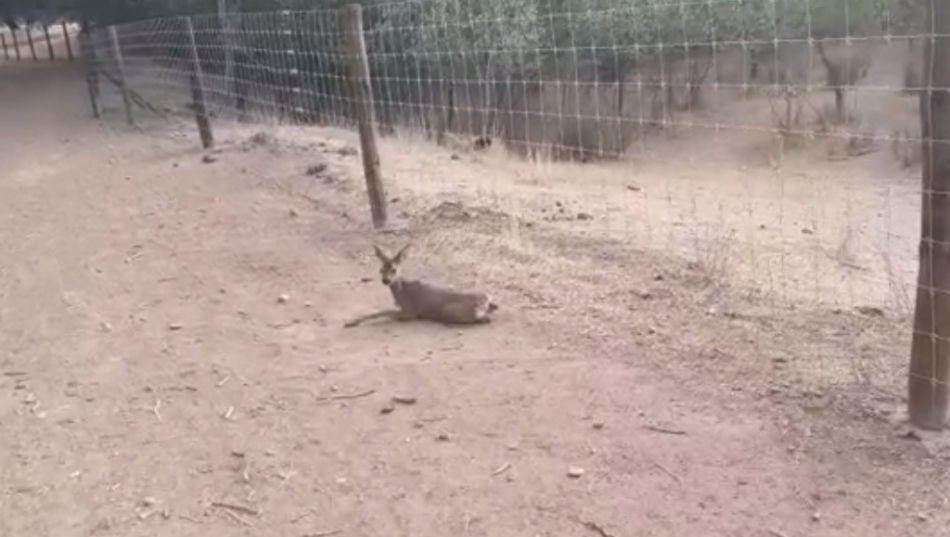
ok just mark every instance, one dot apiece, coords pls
pixel 174 360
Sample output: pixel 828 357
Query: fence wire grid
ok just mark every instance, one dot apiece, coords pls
pixel 775 145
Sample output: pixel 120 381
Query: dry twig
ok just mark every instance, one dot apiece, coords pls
pixel 337 397
pixel 238 519
pixel 235 507
pixel 664 430
pixel 502 468
pixel 158 405
pixel 668 472
pixel 594 527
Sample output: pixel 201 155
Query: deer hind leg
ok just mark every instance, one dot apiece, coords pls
pixel 395 315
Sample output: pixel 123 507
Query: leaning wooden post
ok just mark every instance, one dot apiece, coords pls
pixel 197 88
pixel 49 44
pixel 29 40
pixel 120 68
pixel 16 46
pixel 361 91
pixel 92 71
pixel 69 45
pixel 6 52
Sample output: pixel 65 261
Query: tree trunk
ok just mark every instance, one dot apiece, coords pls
pixel 929 382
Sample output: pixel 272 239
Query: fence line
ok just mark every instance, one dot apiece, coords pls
pixel 11 40
pixel 775 143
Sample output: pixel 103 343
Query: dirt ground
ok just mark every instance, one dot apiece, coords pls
pixel 174 362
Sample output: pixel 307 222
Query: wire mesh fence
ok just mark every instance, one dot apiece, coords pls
pixel 776 145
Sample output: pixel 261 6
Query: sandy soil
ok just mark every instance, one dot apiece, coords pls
pixel 174 362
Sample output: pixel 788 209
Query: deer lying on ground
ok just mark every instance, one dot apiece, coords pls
pixel 417 300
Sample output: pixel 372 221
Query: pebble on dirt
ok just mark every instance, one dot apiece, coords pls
pixel 575 472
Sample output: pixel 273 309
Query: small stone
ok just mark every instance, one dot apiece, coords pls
pixel 175 326
pixel 598 425
pixel 148 501
pixel 575 472
pixel 208 159
pixel 585 216
pixel 293 213
pixel 283 299
pixel 442 437
pixel 388 408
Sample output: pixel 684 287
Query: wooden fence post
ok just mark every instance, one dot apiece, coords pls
pixel 6 52
pixel 120 67
pixel 91 63
pixel 69 45
pixel 197 88
pixel 361 91
pixel 29 39
pixel 928 398
pixel 16 46
pixel 49 44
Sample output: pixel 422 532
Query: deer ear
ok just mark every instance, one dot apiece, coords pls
pixel 379 254
pixel 401 256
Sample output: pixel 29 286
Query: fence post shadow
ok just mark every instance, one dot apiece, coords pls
pixel 91 65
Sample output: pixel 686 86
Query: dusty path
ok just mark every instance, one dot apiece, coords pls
pixel 150 374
